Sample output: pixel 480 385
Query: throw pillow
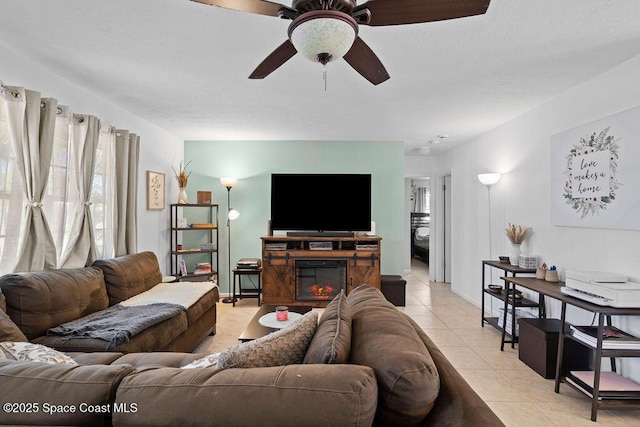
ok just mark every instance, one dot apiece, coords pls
pixel 332 341
pixel 284 347
pixel 30 352
pixel 205 362
pixel 9 331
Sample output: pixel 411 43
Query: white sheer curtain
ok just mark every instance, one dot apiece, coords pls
pixel 421 201
pixel 12 198
pixel 68 185
pixel 103 193
pixel 31 121
pixel 79 246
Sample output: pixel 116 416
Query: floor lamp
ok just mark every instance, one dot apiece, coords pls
pixel 232 214
pixel 489 179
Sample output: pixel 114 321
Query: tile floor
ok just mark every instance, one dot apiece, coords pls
pixel 516 393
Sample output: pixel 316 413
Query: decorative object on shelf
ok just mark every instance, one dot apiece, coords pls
pixel 204 197
pixel 528 261
pixel 183 267
pixel 551 275
pixel 541 272
pixel 515 253
pixel 495 288
pixel 232 214
pixel 155 190
pixel 504 259
pixel 516 235
pixel 206 246
pixel 282 313
pixel 183 178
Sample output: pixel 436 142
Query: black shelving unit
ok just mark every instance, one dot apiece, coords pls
pixel 509 300
pixel 209 235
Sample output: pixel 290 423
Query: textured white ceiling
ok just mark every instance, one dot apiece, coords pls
pixel 184 66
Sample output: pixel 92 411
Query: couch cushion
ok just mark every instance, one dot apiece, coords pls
pixel 129 275
pixel 41 300
pixel 150 339
pixel 30 352
pixel 60 385
pixel 287 396
pixel 384 339
pixel 332 341
pixel 9 331
pixel 284 347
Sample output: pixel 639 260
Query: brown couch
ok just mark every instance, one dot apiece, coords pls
pixel 39 301
pixel 388 373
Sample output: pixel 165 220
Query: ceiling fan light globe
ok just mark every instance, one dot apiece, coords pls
pixel 324 33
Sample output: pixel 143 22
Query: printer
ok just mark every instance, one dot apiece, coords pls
pixel 601 288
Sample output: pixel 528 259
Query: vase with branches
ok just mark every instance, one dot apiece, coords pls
pixel 183 178
pixel 516 235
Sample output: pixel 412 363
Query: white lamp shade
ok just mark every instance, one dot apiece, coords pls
pixel 323 32
pixel 233 214
pixel 229 182
pixel 489 178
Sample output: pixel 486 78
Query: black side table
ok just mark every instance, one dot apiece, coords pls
pixel 248 292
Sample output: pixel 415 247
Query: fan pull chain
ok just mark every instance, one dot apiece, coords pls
pixel 324 76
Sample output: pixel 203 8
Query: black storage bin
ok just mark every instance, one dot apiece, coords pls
pixel 538 347
pixel 393 289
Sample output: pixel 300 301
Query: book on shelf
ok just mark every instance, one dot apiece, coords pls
pixel 275 246
pixel 612 385
pixel 366 247
pixel 612 337
pixel 205 225
pixel 202 268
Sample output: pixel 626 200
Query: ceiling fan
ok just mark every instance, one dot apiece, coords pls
pixel 327 30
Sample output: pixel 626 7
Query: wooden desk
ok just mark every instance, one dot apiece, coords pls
pixel 604 313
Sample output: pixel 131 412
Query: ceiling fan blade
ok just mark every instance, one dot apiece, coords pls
pixel 282 54
pixel 261 7
pixel 398 12
pixel 365 62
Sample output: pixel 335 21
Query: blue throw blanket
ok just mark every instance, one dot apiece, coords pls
pixel 117 323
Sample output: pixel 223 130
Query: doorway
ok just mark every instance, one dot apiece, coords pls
pixel 446 238
pixel 419 219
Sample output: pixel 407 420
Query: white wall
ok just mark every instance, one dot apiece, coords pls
pixel 520 150
pixel 158 149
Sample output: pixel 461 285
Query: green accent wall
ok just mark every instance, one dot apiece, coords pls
pixel 252 162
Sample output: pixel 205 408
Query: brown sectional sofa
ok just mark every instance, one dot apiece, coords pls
pixel 393 375
pixel 39 301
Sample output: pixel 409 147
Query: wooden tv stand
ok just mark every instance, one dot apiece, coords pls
pixel 280 253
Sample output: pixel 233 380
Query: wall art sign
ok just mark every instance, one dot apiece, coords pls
pixel 595 174
pixel 155 190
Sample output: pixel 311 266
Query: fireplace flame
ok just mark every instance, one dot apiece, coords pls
pixel 319 291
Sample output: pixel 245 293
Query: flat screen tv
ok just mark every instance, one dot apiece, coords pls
pixel 321 202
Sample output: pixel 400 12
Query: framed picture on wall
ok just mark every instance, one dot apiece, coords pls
pixel 155 190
